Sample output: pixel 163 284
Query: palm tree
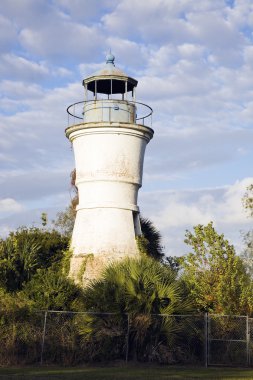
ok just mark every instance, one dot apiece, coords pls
pixel 151 241
pixel 138 292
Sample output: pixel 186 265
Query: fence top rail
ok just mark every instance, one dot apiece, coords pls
pixel 75 312
pixel 107 313
pixel 227 315
pixel 161 314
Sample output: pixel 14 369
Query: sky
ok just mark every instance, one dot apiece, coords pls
pixel 194 64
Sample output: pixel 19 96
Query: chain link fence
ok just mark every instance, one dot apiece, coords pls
pixel 74 338
pixel 71 338
pixel 228 340
pixel 21 337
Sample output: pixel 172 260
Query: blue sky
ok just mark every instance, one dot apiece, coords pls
pixel 194 64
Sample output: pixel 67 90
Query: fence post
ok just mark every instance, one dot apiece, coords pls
pixel 43 338
pixel 127 338
pixel 206 339
pixel 248 341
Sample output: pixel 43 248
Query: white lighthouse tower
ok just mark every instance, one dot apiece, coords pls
pixel 109 131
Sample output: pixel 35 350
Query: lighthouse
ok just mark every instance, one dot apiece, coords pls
pixel 109 132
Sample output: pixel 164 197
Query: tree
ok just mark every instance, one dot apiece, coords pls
pixel 216 277
pixel 248 200
pixel 247 254
pixel 137 286
pixel 142 288
pixel 150 241
pixel 49 289
pixel 65 220
pixel 44 219
pixel 173 262
pixel 18 261
pixel 19 328
pixel 26 250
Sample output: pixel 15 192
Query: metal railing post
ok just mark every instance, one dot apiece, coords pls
pixel 43 338
pixel 206 339
pixel 127 338
pixel 247 341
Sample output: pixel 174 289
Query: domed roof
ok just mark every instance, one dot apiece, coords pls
pixel 109 73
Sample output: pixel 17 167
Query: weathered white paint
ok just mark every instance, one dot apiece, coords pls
pixel 109 164
pixel 109 151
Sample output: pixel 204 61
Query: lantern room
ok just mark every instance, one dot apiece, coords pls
pixel 109 95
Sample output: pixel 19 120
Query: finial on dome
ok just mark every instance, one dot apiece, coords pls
pixel 110 58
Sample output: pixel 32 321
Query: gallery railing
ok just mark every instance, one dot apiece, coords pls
pixel 109 110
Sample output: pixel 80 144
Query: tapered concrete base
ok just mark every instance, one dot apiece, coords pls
pixel 85 268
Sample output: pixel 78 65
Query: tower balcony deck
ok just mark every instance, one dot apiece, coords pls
pixel 110 110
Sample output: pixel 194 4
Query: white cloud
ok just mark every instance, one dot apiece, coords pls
pixel 80 41
pixel 241 13
pixel 35 184
pixel 7 33
pixel 176 214
pixel 85 10
pixel 175 211
pixel 19 67
pixel 231 210
pixel 20 90
pixel 131 53
pixel 29 13
pixel 167 28
pixel 179 151
pixel 8 205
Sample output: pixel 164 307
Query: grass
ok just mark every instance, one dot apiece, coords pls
pixel 130 372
